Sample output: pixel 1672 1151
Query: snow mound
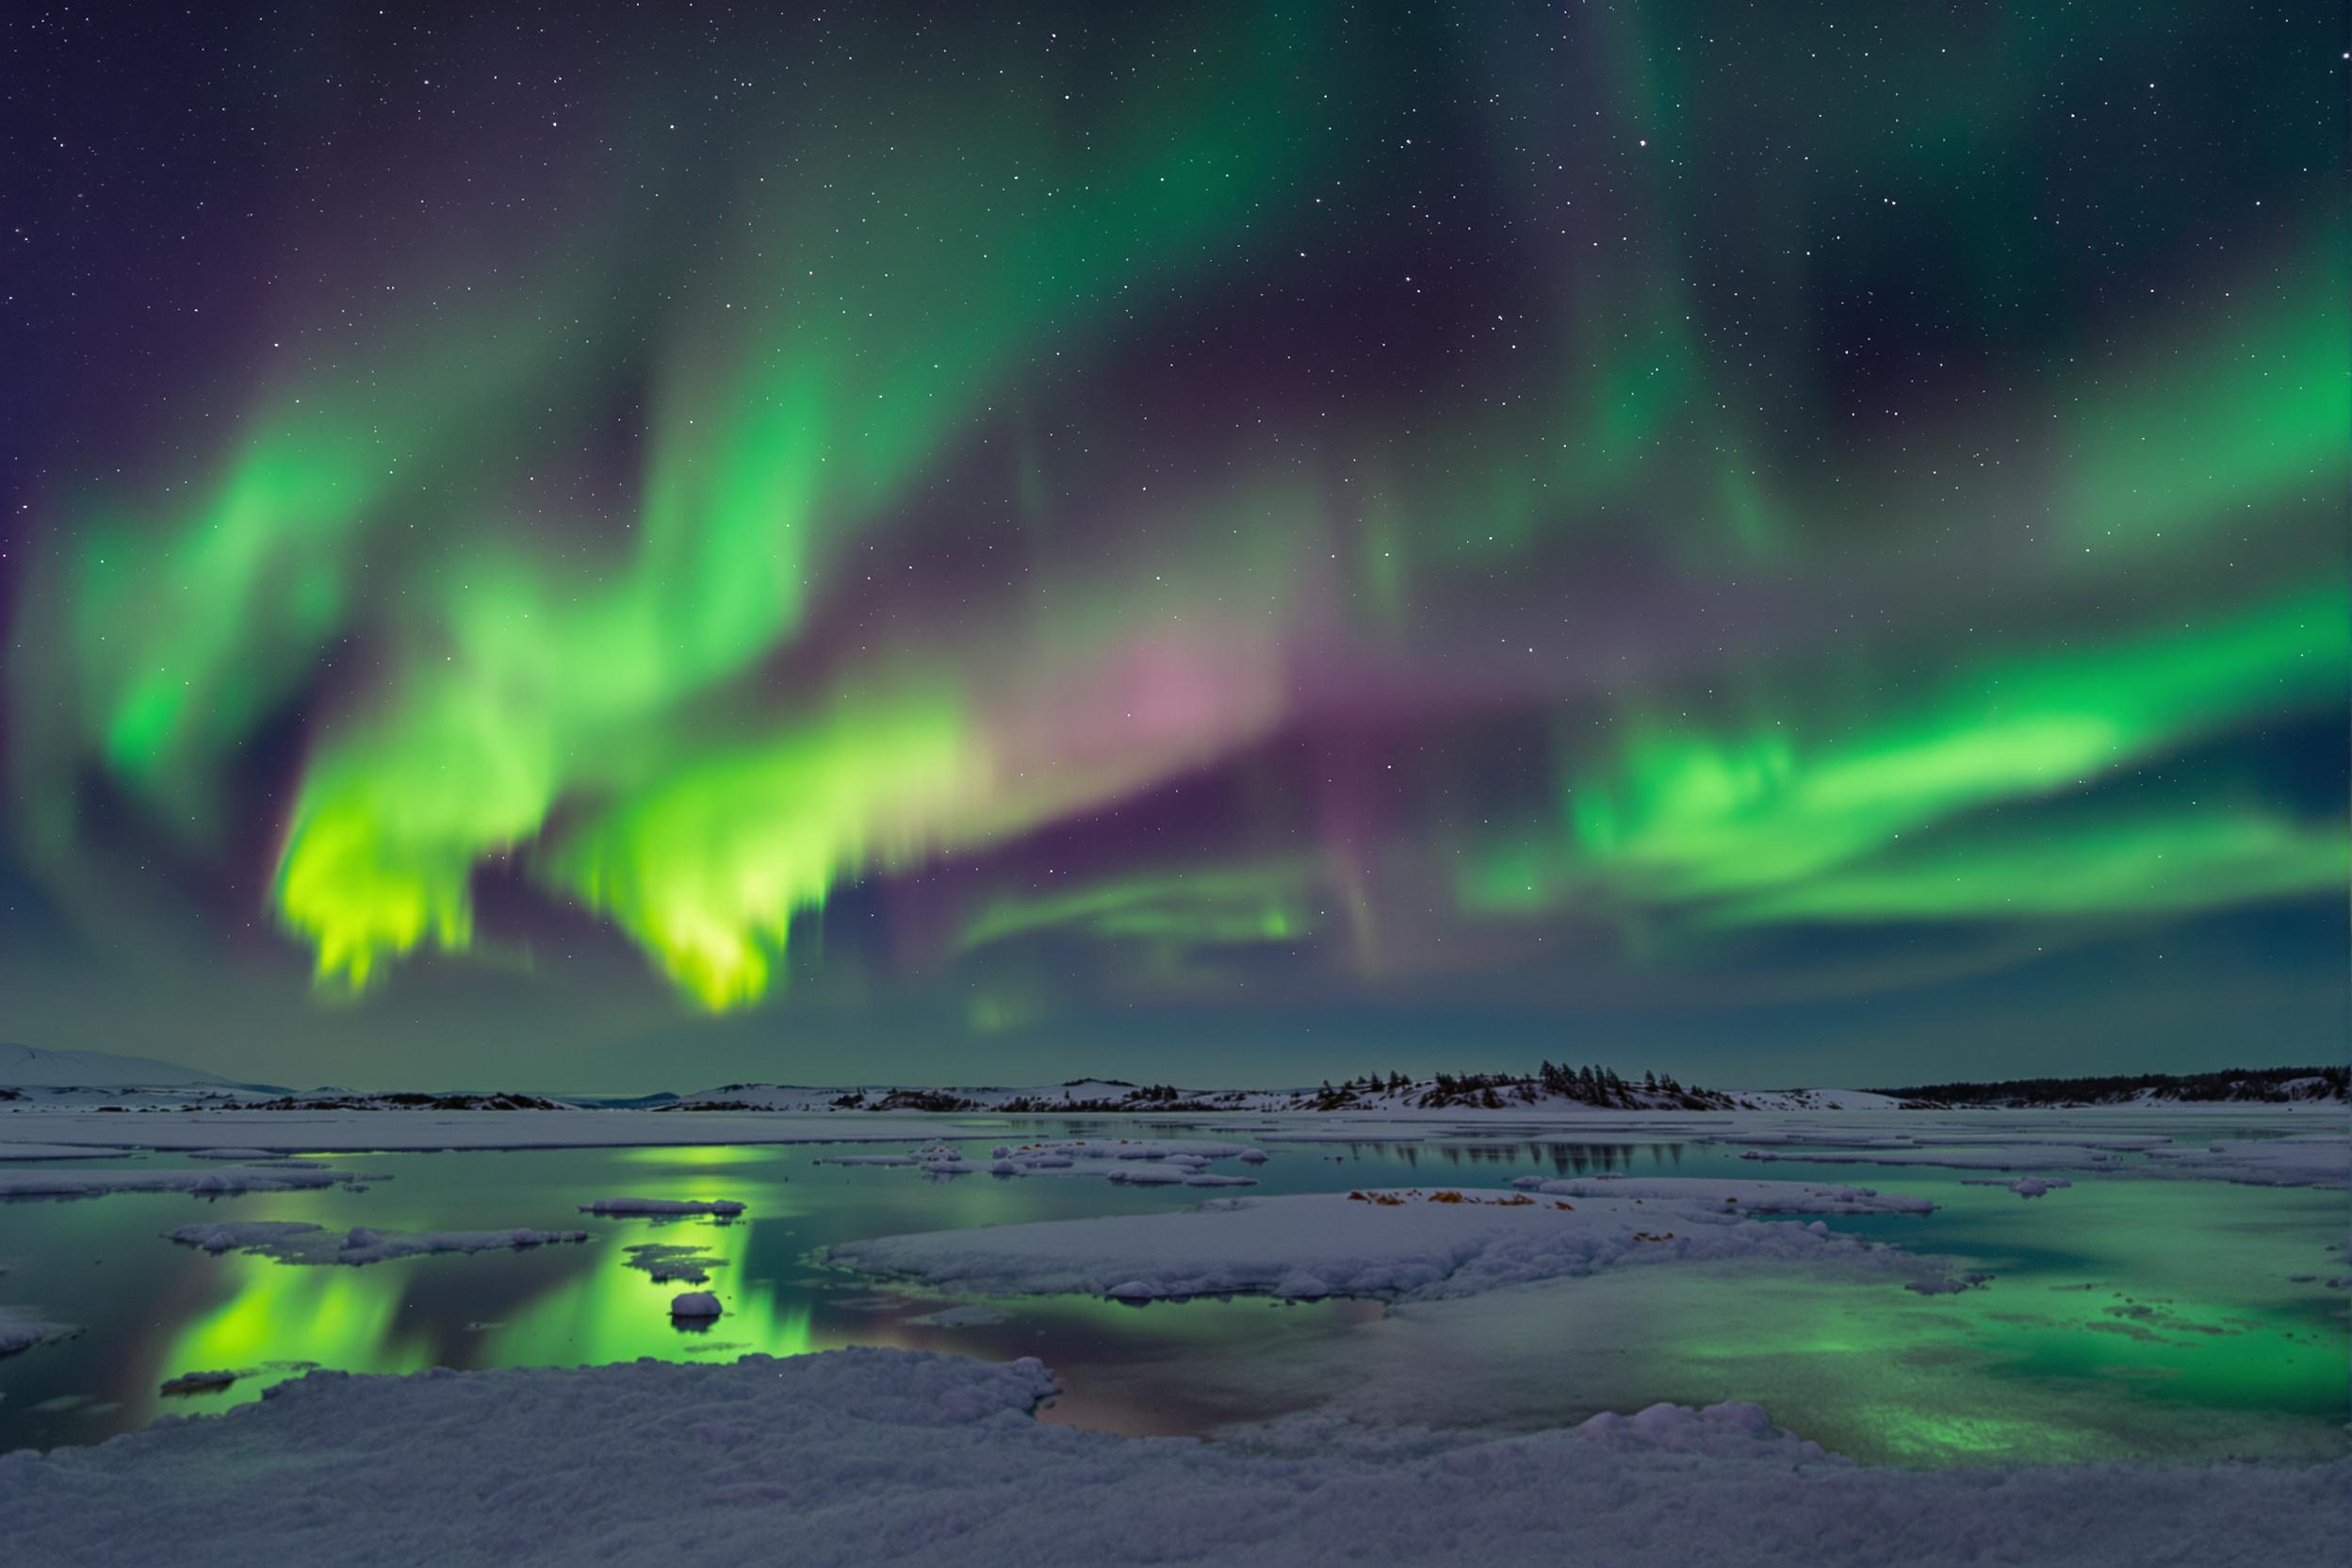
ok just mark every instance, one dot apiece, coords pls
pixel 1408 1246
pixel 872 1456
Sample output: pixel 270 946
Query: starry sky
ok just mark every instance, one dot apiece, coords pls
pixel 630 546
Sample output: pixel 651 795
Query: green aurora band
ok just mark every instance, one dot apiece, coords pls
pixel 901 560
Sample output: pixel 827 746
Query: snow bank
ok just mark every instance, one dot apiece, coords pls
pixel 1743 1197
pixel 216 1182
pixel 1417 1245
pixel 858 1457
pixel 296 1241
pixel 726 1207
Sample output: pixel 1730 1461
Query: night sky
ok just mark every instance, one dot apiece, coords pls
pixel 630 546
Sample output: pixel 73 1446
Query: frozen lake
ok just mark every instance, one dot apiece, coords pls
pixel 2125 1317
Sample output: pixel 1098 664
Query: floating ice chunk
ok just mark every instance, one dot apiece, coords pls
pixel 21 1330
pixel 204 1183
pixel 301 1242
pixel 694 1303
pixel 1413 1245
pixel 725 1208
pixel 198 1383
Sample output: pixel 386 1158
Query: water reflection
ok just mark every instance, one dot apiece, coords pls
pixel 2179 1312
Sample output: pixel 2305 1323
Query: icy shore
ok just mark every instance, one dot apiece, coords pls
pixel 860 1457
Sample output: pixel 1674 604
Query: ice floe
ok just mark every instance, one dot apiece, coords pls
pixel 1744 1197
pixel 22 1328
pixel 1406 1245
pixel 218 1181
pixel 298 1241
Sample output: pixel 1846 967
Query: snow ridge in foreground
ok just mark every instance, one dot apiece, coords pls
pixel 870 1456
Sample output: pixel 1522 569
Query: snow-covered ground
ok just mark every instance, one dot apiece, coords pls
pixel 860 1457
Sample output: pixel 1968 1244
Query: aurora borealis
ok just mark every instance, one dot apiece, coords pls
pixel 961 542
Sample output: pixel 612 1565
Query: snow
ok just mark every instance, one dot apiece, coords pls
pixel 664 1207
pixel 858 1457
pixel 1746 1197
pixel 2040 1143
pixel 296 1241
pixel 694 1303
pixel 670 1263
pixel 218 1181
pixel 21 1329
pixel 2313 1160
pixel 49 1152
pixel 1413 1245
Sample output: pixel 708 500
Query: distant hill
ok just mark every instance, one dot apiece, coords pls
pixel 1549 1088
pixel 2238 1086
pixel 30 1067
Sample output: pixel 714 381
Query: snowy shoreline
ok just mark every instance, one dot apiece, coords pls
pixel 871 1456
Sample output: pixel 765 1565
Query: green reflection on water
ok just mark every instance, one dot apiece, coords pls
pixel 2125 1317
